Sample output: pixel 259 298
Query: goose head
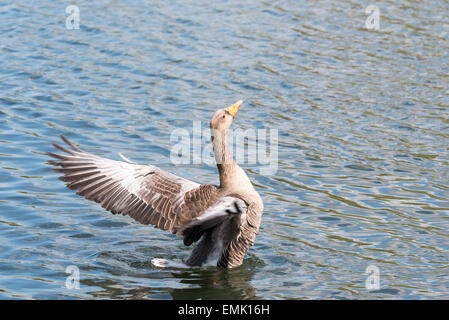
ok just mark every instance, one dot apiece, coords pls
pixel 222 119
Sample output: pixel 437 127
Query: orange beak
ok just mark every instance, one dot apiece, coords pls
pixel 234 108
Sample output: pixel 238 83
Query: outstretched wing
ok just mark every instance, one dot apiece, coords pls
pixel 147 194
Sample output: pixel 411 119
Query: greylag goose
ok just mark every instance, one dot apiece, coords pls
pixel 223 219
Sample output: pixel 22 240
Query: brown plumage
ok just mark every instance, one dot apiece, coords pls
pixel 226 218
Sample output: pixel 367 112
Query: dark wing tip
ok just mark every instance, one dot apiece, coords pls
pixel 57 146
pixel 52 162
pixel 56 156
pixel 65 150
pixel 70 144
pixel 192 234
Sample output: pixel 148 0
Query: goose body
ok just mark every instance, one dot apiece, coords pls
pixel 223 219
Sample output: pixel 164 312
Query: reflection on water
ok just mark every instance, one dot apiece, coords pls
pixel 363 126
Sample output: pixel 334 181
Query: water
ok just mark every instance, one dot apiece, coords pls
pixel 363 124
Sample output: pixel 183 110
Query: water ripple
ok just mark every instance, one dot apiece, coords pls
pixel 363 126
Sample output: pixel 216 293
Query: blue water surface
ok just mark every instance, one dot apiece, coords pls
pixel 363 154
